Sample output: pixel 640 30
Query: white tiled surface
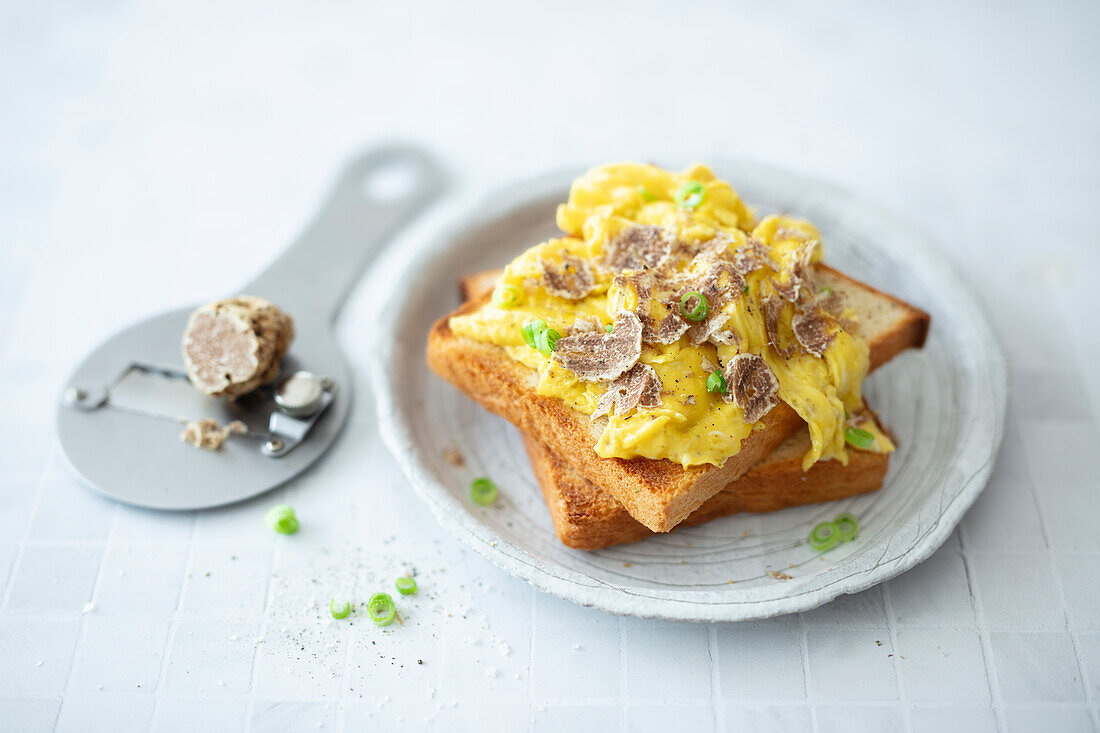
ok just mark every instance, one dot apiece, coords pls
pixel 139 141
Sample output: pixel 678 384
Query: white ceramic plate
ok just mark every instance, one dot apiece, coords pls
pixel 945 403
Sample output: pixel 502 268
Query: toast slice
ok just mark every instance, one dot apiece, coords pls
pixel 588 518
pixel 657 493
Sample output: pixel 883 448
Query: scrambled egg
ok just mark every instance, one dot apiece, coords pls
pixel 691 426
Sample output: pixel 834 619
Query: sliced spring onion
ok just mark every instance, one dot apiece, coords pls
pixel 859 438
pixel 545 340
pixel 405 586
pixel 824 536
pixel 339 606
pixel 483 491
pixel 847 526
pixel 716 382
pixel 693 306
pixel 507 296
pixel 381 609
pixel 826 291
pixel 609 327
pixel 281 518
pixel 531 329
pixel 646 194
pixel 690 195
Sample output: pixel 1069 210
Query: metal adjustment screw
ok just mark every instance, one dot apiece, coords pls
pixel 273 446
pixel 301 394
pixel 74 395
pixel 327 383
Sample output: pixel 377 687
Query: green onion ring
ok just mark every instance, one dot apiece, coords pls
pixel 716 382
pixel 507 296
pixel 405 586
pixel 859 438
pixel 381 609
pixel 483 491
pixel 695 312
pixel 690 195
pixel 824 536
pixel 281 518
pixel 847 526
pixel 545 340
pixel 644 193
pixel 609 328
pixel 339 606
pixel 531 330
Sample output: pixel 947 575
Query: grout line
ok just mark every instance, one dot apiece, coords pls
pixel 82 633
pixel 530 662
pixel 341 697
pixel 253 671
pixel 622 675
pixel 21 548
pixel 1070 631
pixel 888 606
pixel 718 714
pixel 811 698
pixel 985 643
pixel 174 622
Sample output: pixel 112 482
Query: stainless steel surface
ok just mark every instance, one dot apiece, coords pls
pixel 300 393
pixel 287 432
pixel 141 461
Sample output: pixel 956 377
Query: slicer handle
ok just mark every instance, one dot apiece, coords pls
pixel 375 194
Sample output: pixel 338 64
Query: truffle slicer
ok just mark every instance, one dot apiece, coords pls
pixel 123 409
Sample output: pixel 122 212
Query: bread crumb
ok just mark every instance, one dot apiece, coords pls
pixel 779 575
pixel 208 435
pixel 454 457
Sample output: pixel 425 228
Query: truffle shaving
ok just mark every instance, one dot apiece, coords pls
pixel 799 275
pixel 585 324
pixel 638 248
pixel 725 337
pixel 208 435
pixel 715 248
pixel 751 256
pixel 572 281
pixel 812 331
pixel 640 386
pixel 666 331
pixel 773 308
pixel 718 294
pixel 752 386
pixel 601 357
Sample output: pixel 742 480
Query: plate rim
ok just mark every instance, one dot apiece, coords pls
pixel 396 433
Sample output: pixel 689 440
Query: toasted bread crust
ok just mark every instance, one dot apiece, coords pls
pixel 657 493
pixel 587 518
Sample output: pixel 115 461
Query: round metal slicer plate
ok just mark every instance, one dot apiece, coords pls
pixel 945 403
pixel 140 460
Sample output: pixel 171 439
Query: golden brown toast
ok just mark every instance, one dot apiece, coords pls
pixel 657 493
pixel 588 518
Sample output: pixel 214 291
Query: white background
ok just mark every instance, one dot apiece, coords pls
pixel 154 156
